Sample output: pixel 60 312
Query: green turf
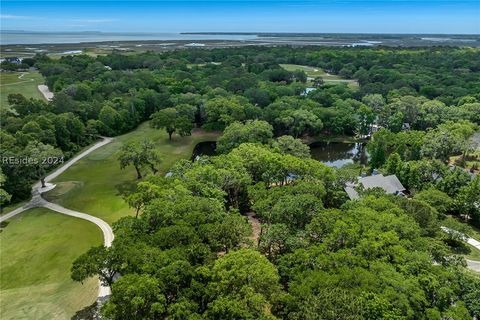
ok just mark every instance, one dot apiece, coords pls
pixel 12 207
pixel 318 72
pixel 37 250
pixel 474 253
pixel 39 246
pixel 473 159
pixel 94 185
pixel 27 85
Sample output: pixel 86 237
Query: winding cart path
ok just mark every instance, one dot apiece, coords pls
pixel 471 264
pixel 37 201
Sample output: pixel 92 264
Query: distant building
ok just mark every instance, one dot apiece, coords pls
pixel 390 184
pixel 13 60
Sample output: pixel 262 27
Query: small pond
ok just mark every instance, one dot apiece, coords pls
pixel 337 154
pixel 334 154
pixel 206 148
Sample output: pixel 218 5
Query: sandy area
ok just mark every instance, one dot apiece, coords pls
pixel 45 91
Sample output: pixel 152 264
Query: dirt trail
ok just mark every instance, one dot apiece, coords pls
pixel 256 227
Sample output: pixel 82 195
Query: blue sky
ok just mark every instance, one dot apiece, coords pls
pixel 354 16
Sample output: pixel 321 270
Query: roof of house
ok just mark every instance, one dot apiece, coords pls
pixel 352 193
pixel 390 184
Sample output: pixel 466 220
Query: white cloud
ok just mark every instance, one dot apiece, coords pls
pixel 12 16
pixel 95 20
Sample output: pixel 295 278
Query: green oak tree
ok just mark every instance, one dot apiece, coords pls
pixel 256 131
pixel 292 146
pixel 43 157
pixel 172 121
pixel 139 155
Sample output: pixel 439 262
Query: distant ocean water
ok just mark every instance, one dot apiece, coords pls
pixel 12 37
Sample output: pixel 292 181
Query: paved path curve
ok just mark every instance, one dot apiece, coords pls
pixel 103 291
pixel 471 264
pixel 72 161
pixel 37 201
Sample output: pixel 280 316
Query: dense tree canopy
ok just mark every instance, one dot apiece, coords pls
pixel 190 253
pixel 112 94
pixel 261 230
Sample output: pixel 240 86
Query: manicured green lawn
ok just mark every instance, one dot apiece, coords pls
pixel 318 72
pixel 26 85
pixel 12 207
pixel 94 185
pixel 39 246
pixel 37 249
pixel 474 253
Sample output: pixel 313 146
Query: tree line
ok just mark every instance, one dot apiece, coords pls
pixel 189 252
pixel 112 94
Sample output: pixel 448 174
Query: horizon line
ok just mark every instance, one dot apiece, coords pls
pixel 242 32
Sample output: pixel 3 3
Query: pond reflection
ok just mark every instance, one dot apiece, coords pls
pixel 206 148
pixel 334 154
pixel 337 154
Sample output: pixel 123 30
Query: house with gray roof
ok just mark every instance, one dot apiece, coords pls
pixel 390 184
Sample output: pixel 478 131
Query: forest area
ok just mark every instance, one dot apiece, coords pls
pixel 189 252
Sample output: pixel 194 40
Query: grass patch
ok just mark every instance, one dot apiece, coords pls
pixel 314 72
pixel 310 71
pixel 26 85
pixel 38 246
pixel 472 161
pixel 37 250
pixel 98 181
pixel 12 207
pixel 474 253
pixel 467 250
pixel 468 229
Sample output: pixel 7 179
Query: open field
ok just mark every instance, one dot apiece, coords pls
pixel 37 250
pixel 38 246
pixel 314 72
pixel 14 82
pixel 98 175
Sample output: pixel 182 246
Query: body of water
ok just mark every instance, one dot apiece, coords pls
pixel 11 37
pixel 206 148
pixel 337 154
pixel 334 154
